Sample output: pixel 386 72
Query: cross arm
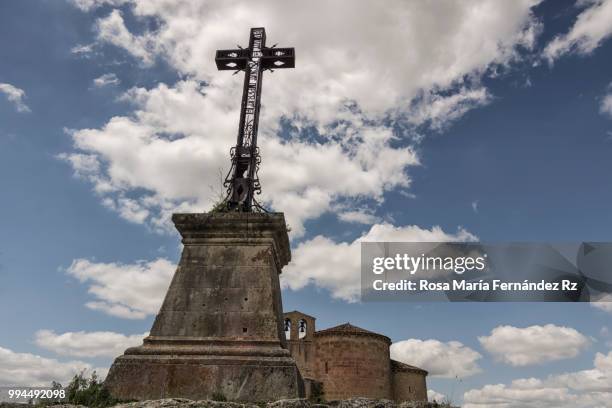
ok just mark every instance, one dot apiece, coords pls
pixel 232 59
pixel 276 58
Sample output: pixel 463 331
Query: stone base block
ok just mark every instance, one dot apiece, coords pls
pixel 220 328
pixel 237 378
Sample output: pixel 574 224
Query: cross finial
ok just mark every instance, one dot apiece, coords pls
pixel 242 181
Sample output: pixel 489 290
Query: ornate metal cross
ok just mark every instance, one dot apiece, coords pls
pixel 242 181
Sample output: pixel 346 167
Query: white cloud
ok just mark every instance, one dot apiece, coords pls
pixel 475 206
pixel 603 362
pixel 446 360
pixel 112 29
pixel 437 110
pixel 130 291
pixel 605 306
pixel 358 216
pixel 433 395
pixel 25 369
pixel 88 5
pixel 603 303
pixel 606 105
pixel 581 389
pixel 335 266
pixel 15 95
pixel 354 63
pixel 344 86
pixel 128 209
pixel 178 172
pixel 501 396
pixel 105 80
pixel 83 50
pixel 534 344
pixel 84 165
pixel 592 27
pixel 87 344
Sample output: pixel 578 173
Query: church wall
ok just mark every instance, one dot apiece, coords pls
pixel 409 386
pixel 351 365
pixel 304 354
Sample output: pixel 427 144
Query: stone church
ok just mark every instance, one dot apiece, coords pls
pixel 347 361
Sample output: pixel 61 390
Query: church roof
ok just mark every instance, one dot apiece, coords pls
pixel 294 312
pixel 349 329
pixel 399 366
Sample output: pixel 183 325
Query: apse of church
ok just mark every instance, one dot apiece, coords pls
pixel 347 361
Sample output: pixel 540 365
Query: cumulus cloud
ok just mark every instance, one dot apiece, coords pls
pixel 346 103
pixel 180 173
pixel 25 369
pixel 130 291
pixel 534 344
pixel 358 216
pixel 354 62
pixel 606 104
pixel 83 50
pixel 112 29
pixel 335 266
pixel 446 360
pixel 15 95
pixel 593 25
pixel 580 389
pixel 87 5
pixel 433 395
pixel 87 344
pixel 605 306
pixel 106 80
pixel 603 303
pixel 437 110
pixel 502 396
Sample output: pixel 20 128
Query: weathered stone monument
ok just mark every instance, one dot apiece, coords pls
pixel 220 329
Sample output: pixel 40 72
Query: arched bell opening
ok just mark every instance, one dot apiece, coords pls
pixel 302 328
pixel 288 329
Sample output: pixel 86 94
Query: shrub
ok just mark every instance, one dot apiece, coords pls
pixel 317 395
pixel 218 396
pixel 89 392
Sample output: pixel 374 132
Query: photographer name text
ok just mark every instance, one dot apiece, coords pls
pixel 463 285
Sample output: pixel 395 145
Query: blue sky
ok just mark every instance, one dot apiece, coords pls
pixel 488 120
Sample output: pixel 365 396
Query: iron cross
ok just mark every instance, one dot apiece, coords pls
pixel 242 181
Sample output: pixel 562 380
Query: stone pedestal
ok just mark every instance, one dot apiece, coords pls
pixel 219 330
